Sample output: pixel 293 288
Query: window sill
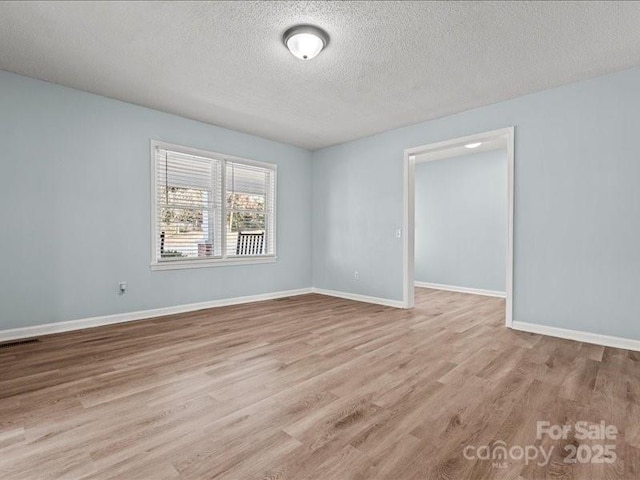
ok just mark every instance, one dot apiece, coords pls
pixel 214 262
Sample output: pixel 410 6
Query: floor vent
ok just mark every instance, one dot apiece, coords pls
pixel 282 299
pixel 15 343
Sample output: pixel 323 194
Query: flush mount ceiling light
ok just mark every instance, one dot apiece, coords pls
pixel 305 41
pixel 473 145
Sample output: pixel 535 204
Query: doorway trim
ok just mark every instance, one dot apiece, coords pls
pixel 408 227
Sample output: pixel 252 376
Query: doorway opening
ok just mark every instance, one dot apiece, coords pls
pixel 495 140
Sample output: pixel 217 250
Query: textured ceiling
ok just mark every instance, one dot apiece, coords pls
pixel 388 64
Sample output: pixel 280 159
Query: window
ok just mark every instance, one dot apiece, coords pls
pixel 210 209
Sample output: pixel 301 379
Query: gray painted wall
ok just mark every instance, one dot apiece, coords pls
pixel 75 207
pixel 577 204
pixel 461 221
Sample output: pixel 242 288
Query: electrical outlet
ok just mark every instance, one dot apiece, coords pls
pixel 356 275
pixel 398 233
pixel 122 288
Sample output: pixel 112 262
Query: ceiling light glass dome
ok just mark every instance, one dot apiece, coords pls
pixel 305 41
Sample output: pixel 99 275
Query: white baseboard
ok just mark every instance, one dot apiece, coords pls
pixel 451 288
pixel 67 326
pixel 359 298
pixel 595 338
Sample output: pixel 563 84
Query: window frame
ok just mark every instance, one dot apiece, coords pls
pixel 222 260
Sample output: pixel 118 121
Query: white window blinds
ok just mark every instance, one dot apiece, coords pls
pixel 249 209
pixel 210 208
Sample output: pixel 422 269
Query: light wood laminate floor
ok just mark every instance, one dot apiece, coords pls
pixel 312 387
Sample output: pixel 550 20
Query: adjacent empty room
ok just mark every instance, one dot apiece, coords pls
pixel 319 240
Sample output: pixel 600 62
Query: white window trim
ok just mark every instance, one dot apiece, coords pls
pixel 223 261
